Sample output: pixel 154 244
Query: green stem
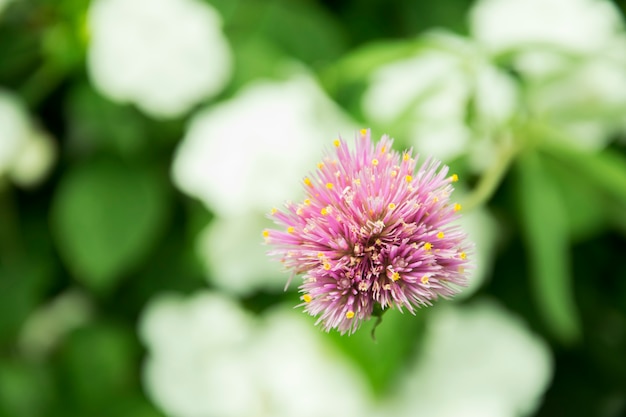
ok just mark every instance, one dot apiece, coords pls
pixel 491 179
pixel 11 249
pixel 40 84
pixel 378 313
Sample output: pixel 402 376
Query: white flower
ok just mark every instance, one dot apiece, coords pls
pixel 478 360
pixel 246 155
pixel 250 153
pixel 481 228
pixel 231 250
pixel 578 26
pixel 431 92
pixel 588 99
pixel 26 153
pixel 208 357
pixel 165 56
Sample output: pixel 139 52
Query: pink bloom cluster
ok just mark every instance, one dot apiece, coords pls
pixel 372 232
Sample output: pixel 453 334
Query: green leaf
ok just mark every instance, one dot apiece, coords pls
pixel 584 204
pixel 98 363
pixel 382 359
pixel 605 169
pixel 357 66
pixel 25 389
pixel 21 290
pixel 105 216
pixel 545 231
pixel 96 123
pixel 304 30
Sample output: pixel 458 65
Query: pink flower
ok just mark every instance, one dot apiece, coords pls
pixel 371 233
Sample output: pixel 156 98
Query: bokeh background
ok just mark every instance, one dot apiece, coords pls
pixel 143 142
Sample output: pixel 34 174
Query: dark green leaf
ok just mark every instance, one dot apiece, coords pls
pixel 98 363
pixel 382 359
pixel 304 30
pixel 95 123
pixel 544 226
pixel 106 216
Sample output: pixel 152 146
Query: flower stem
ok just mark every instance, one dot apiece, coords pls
pixel 491 179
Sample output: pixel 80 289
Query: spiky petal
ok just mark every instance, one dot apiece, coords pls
pixel 374 229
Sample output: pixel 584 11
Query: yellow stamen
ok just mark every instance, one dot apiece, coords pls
pixel 391 206
pixel 273 211
pixel 383 149
pixel 327 266
pixel 320 165
pixel 395 276
pixel 336 143
pixel 324 211
pixel 374 162
pixel 266 233
pixel 299 211
pixel 393 174
pixel 463 255
pixel 329 185
pixel 440 235
pixel 428 246
pixel 307 298
pixel 457 207
pixel 424 279
pixel 435 199
pixel 307 181
pixel 357 181
pixel 350 314
pixel 320 254
pixel 363 132
pixel 408 178
pixel 406 157
pixel 307 202
pixel 291 229
pixel 454 178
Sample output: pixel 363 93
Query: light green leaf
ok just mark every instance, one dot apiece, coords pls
pixel 358 65
pixel 545 230
pixel 606 169
pixel 584 204
pixel 105 216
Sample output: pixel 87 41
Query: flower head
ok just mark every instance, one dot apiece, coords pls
pixel 373 231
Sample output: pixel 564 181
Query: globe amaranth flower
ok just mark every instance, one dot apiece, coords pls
pixel 372 233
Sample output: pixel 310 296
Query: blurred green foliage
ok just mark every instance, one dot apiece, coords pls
pixel 108 220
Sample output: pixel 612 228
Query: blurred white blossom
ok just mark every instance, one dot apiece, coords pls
pixel 26 152
pixel 208 357
pixel 430 93
pixel 246 155
pixel 478 360
pixel 250 153
pixel 572 26
pixel 165 56
pixel 570 55
pixel 457 96
pixel 45 327
pixel 230 248
pixel 482 229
